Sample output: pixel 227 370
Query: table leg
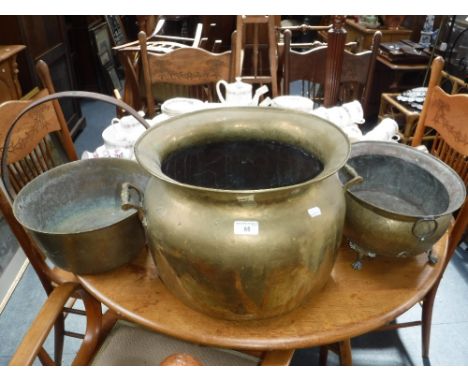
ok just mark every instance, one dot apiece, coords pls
pixel 323 358
pixel 342 348
pixel 346 358
pixel 277 357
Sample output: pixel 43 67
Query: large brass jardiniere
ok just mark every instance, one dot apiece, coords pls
pixel 243 253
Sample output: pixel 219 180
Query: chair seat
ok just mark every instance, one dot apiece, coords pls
pixel 131 345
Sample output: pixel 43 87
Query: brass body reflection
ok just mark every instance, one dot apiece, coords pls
pixel 244 254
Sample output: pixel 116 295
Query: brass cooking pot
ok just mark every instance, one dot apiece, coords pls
pixel 234 251
pixel 404 205
pixel 76 212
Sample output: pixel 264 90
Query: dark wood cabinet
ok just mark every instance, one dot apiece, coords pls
pixel 46 38
pixel 87 70
pixel 91 43
pixel 9 84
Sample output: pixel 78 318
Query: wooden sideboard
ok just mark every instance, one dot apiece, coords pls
pixel 9 85
pixel 363 36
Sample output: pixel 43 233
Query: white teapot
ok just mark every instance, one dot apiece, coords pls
pixel 120 137
pixel 237 93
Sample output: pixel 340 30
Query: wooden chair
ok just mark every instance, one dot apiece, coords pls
pixel 307 67
pixel 357 74
pixel 194 71
pixel 408 117
pixel 258 75
pixel 40 141
pixel 158 34
pixel 302 29
pixel 110 341
pixel 158 41
pixel 447 115
pixel 154 28
pixel 319 69
pixel 319 77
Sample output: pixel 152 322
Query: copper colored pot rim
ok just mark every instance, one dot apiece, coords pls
pixel 445 174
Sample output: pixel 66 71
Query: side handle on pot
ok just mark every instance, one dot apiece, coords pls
pixel 128 190
pixel 420 230
pixel 355 177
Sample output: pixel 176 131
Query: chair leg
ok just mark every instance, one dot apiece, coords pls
pixel 346 358
pixel 342 348
pixel 427 308
pixel 59 335
pixel 323 358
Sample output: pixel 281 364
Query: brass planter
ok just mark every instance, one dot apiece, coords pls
pixel 404 205
pixel 75 211
pixel 244 254
pixel 74 214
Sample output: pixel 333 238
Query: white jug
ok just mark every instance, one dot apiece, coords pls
pixel 237 93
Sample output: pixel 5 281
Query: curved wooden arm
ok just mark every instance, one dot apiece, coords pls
pixel 31 345
pixel 93 331
pixel 41 326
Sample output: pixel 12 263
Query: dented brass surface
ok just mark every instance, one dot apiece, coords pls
pixel 405 203
pixel 74 214
pixel 244 254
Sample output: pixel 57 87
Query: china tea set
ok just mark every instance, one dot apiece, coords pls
pixel 119 138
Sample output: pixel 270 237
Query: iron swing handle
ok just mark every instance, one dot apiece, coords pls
pixel 66 94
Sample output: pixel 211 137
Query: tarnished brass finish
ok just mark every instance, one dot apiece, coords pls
pixel 405 202
pixel 74 213
pixel 382 234
pixel 244 254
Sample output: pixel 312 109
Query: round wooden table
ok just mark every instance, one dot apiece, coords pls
pixel 352 303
